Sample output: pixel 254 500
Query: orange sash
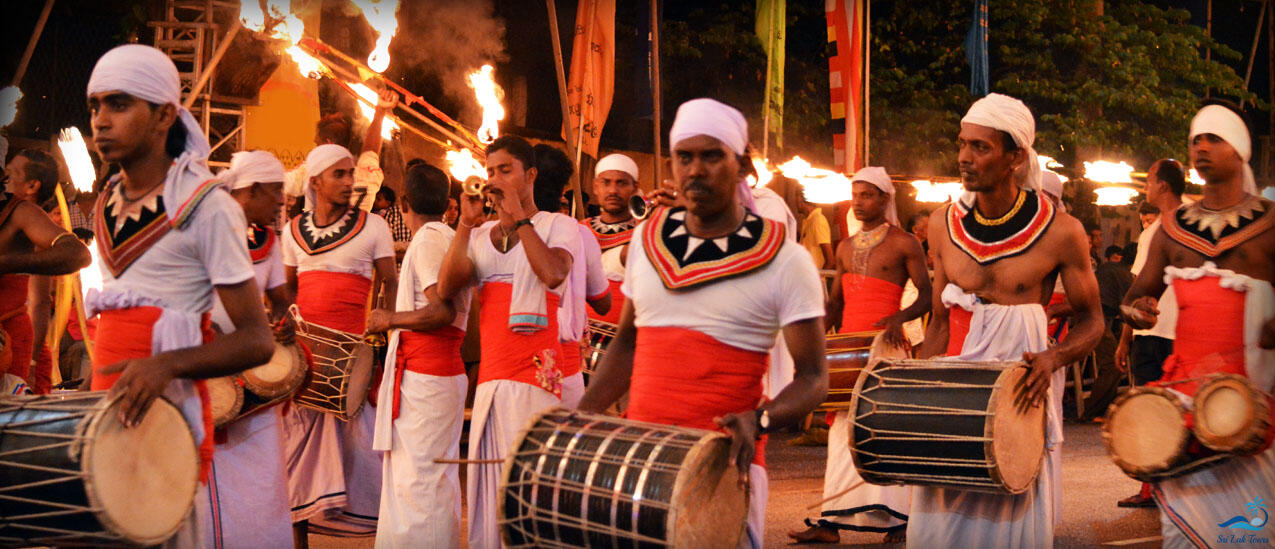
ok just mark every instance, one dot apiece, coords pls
pixel 617 303
pixel 532 358
pixel 683 377
pixel 435 353
pixel 866 301
pixel 958 326
pixel 570 358
pixel 334 300
pixel 1210 333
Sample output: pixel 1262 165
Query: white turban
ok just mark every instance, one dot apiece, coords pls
pixel 720 121
pixel 250 167
pixel 1004 113
pixel 1224 123
pixel 878 177
pixel 147 74
pixel 617 162
pixel 319 159
pixel 1051 184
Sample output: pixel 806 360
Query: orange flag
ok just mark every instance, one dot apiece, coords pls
pixel 592 74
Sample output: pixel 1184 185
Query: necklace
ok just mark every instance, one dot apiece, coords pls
pixel 1216 221
pixel 1018 204
pixel 864 242
pixel 504 242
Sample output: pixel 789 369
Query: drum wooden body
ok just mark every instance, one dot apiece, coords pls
pixel 598 336
pixel 583 480
pixel 847 355
pixel 71 474
pixel 1231 415
pixel 950 424
pixel 225 396
pixel 340 372
pixel 1146 434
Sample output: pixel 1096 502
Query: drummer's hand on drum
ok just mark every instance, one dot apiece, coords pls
pixel 378 321
pixel 743 431
pixel 285 331
pixel 1142 313
pixel 141 381
pixel 893 327
pixel 1033 388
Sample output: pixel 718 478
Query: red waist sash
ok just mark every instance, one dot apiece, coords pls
pixel 1057 325
pixel 533 358
pixel 334 300
pixel 958 326
pixel 570 358
pixel 867 300
pixel 617 303
pixel 1210 333
pixel 21 342
pixel 435 353
pixel 683 377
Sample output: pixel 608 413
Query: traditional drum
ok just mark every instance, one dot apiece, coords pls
pixel 281 376
pixel 340 371
pixel 574 480
pixel 72 474
pixel 1232 415
pixel 1146 433
pixel 225 397
pixel 597 337
pixel 945 423
pixel 847 354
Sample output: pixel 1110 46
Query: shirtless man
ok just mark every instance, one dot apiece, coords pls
pixel 1002 240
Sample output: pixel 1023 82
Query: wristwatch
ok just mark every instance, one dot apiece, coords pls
pixel 518 224
pixel 763 421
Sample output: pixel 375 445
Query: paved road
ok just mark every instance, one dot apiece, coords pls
pixel 1091 487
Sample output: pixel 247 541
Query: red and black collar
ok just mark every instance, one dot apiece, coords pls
pixel 684 261
pixel 610 235
pixel 1213 233
pixel 121 248
pixel 260 241
pixel 1007 237
pixel 316 240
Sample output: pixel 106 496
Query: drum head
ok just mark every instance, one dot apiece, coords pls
pixel 1145 431
pixel 1225 414
pixel 143 478
pixel 280 375
pixel 225 398
pixel 711 507
pixel 1017 439
pixel 360 380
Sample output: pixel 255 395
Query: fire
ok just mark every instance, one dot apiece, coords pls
pixel 78 163
pixel 9 97
pixel 285 26
pixel 1114 196
pixel 91 276
pixel 1048 162
pixel 1194 177
pixel 764 175
pixel 367 105
pixel 819 186
pixel 252 14
pixel 462 165
pixel 382 15
pixel 1109 172
pixel 488 95
pixel 928 191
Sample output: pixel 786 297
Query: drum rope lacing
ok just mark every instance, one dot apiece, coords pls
pixel 343 341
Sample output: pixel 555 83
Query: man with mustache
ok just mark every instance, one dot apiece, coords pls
pixel 710 284
pixel 615 181
pixel 1004 243
pixel 1218 255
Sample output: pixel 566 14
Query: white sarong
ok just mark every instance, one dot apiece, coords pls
pixel 247 492
pixel 334 476
pixel 866 508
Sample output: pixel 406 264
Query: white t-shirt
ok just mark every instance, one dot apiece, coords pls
pixel 428 248
pixel 613 263
pixel 772 206
pixel 269 275
pixel 557 231
pixel 181 269
pixel 587 279
pixel 745 311
pixel 1167 322
pixel 356 256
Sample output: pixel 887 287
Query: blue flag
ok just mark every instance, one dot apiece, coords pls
pixel 976 49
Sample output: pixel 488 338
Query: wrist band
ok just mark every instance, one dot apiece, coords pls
pixel 60 237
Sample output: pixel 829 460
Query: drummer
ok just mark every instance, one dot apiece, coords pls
pixel 163 217
pixel 424 384
pixel 615 181
pixel 872 268
pixel 330 253
pixel 1218 253
pixel 1004 240
pixel 252 487
pixel 586 290
pixel 710 284
pixel 519 263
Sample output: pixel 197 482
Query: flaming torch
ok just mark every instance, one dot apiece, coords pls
pixel 929 191
pixel 9 97
pixel 462 165
pixel 488 95
pixel 1117 175
pixel 819 186
pixel 382 15
pixel 367 106
pixel 275 17
pixel 71 288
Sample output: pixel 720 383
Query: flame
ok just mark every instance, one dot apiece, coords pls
pixel 928 191
pixel 1194 177
pixel 76 155
pixel 1109 172
pixel 764 175
pixel 819 186
pixel 252 15
pixel 91 276
pixel 367 106
pixel 462 165
pixel 287 27
pixel 382 15
pixel 9 97
pixel 1048 163
pixel 1114 196
pixel 488 95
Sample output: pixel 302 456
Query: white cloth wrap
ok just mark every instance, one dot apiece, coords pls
pixel 1051 184
pixel 1259 307
pixel 251 167
pixel 1224 123
pixel 860 508
pixel 319 159
pixel 382 434
pixel 713 118
pixel 147 74
pixel 1004 113
pixel 617 162
pixel 879 178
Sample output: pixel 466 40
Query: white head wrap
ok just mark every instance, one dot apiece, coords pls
pixel 617 162
pixel 720 121
pixel 878 177
pixel 1051 184
pixel 319 159
pixel 250 167
pixel 1224 123
pixel 1004 113
pixel 147 74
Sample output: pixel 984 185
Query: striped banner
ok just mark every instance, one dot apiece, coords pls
pixel 847 80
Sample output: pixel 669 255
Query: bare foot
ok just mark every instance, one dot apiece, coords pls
pixel 816 534
pixel 897 536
